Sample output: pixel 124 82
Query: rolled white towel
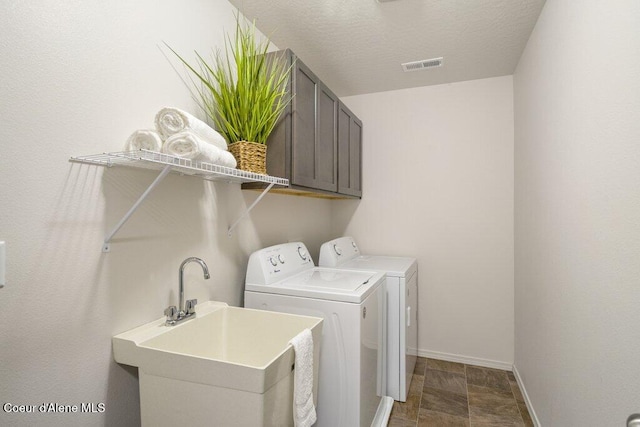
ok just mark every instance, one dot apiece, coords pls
pixel 144 139
pixel 170 121
pixel 190 146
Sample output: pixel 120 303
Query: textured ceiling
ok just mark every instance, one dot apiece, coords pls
pixel 357 46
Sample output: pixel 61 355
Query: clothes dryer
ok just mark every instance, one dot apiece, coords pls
pixel 401 286
pixel 351 373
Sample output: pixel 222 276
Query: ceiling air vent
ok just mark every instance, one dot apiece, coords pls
pixel 422 65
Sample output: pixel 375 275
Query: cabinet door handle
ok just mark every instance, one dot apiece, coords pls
pixel 408 317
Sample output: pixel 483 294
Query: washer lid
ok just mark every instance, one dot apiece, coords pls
pixel 393 266
pixel 326 283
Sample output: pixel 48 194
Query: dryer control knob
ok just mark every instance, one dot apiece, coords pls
pixel 337 249
pixel 273 261
pixel 302 253
pixel 281 258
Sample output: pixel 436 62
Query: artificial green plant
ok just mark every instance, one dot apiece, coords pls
pixel 244 90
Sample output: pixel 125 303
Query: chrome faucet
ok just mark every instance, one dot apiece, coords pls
pixel 188 310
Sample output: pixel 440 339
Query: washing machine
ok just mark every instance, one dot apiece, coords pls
pixel 401 286
pixel 351 378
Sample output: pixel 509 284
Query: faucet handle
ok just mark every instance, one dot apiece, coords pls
pixel 190 306
pixel 172 314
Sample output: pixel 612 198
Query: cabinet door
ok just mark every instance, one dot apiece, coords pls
pixel 349 153
pixel 304 127
pixel 314 132
pixel 327 140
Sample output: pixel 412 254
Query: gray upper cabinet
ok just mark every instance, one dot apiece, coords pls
pixel 305 145
pixel 349 152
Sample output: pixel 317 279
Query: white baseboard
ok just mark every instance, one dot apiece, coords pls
pixel 532 412
pixel 476 361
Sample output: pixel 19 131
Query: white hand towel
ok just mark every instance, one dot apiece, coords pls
pixel 304 411
pixel 144 139
pixel 190 146
pixel 170 121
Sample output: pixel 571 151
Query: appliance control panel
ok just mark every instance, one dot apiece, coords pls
pixel 335 252
pixel 277 262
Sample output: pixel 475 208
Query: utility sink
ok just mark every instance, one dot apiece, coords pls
pixel 228 366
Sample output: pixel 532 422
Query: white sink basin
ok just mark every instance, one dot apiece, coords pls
pixel 229 365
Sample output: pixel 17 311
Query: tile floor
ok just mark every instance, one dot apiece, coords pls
pixel 447 394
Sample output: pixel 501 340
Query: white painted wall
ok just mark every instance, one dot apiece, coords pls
pixel 577 213
pixel 77 78
pixel 438 185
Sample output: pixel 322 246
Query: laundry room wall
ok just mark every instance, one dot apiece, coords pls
pixel 77 78
pixel 438 185
pixel 577 213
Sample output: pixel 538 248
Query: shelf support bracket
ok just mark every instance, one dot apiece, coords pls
pixel 106 246
pixel 245 213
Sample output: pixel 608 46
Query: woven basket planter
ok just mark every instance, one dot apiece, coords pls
pixel 251 156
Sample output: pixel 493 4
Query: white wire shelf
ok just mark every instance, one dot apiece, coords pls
pixel 166 163
pixel 146 159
